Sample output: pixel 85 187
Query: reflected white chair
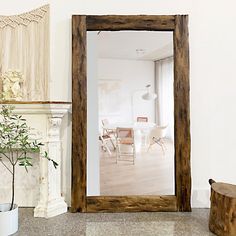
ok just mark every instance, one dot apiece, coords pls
pixel 105 139
pixel 157 136
pixel 106 122
pixel 108 132
pixel 125 137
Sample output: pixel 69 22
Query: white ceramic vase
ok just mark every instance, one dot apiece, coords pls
pixel 8 219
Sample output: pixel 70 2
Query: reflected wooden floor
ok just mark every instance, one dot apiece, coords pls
pixel 152 174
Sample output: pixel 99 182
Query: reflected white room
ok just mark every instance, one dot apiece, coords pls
pixel 130 88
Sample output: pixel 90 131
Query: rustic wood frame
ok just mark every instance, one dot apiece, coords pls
pixel 80 202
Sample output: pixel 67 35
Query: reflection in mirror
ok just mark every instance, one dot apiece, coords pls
pixel 130 94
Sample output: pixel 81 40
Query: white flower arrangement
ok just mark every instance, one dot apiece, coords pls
pixel 12 85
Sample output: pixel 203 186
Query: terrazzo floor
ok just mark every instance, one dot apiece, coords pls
pixel 105 224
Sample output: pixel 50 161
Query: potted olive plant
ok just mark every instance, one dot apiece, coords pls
pixel 16 148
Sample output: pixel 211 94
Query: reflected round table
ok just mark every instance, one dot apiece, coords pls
pixel 141 132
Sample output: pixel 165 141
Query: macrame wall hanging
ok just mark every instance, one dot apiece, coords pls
pixel 24 55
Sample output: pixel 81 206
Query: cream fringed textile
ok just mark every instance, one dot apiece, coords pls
pixel 24 47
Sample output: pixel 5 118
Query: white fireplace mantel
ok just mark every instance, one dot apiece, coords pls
pixel 51 202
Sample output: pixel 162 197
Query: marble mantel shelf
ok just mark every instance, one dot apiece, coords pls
pixel 34 102
pixel 51 203
pixel 39 107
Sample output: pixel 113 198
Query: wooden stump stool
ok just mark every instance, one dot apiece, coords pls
pixel 222 220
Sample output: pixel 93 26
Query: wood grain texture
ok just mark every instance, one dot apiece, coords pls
pixel 180 202
pixel 131 203
pixel 222 219
pixel 130 22
pixel 182 113
pixel 79 114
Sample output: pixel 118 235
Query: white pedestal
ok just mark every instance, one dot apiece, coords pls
pixel 52 208
pixel 51 203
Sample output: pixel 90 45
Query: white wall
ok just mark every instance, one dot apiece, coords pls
pixel 133 76
pixel 93 161
pixel 212 64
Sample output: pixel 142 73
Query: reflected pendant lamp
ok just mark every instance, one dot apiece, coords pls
pixel 149 96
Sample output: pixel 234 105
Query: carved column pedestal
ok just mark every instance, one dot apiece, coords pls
pixel 51 202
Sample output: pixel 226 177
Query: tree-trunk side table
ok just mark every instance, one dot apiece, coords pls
pixel 222 219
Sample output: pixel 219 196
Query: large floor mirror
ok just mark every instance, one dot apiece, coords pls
pixel 131 135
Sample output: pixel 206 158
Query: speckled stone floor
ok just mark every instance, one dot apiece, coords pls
pixel 133 224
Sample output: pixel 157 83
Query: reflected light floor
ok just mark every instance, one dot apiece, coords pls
pixel 122 224
pixel 152 174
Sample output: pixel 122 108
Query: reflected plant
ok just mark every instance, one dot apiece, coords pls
pixel 16 145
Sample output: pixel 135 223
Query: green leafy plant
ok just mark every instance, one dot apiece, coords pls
pixel 16 144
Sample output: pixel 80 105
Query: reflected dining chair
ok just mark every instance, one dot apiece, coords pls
pixel 157 136
pixel 124 140
pixel 105 140
pixel 142 119
pixel 108 132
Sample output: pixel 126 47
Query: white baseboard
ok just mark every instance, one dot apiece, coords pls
pixel 201 198
pixel 24 197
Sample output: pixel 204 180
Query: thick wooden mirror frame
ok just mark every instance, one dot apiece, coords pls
pixel 80 202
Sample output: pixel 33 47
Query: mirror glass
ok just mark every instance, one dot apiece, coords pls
pixel 130 113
